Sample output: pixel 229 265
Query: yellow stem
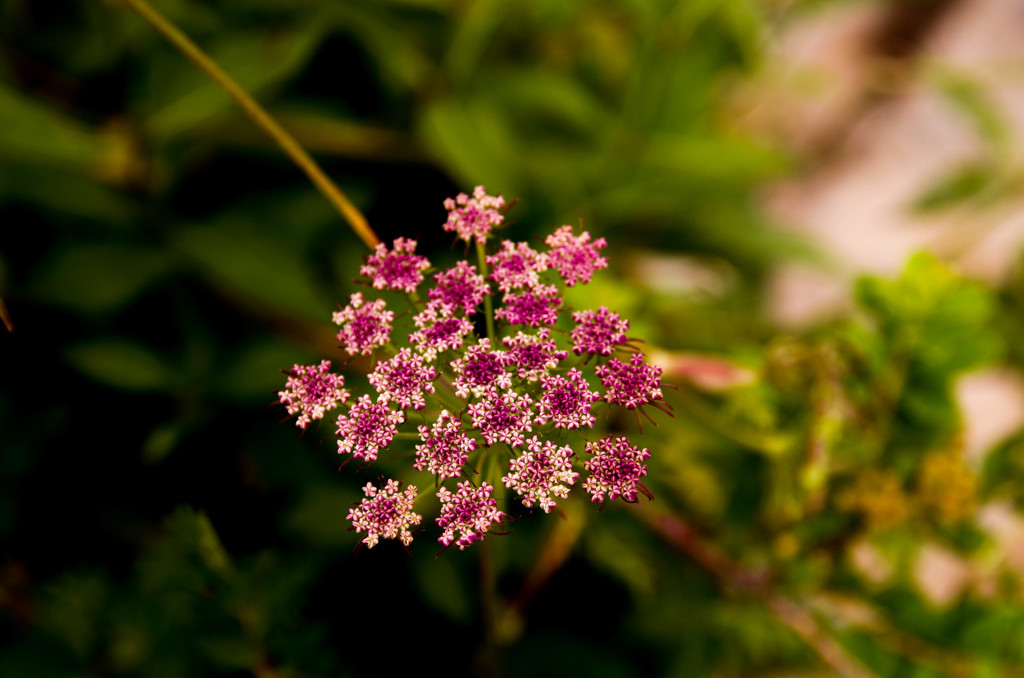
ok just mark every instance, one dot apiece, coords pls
pixel 258 115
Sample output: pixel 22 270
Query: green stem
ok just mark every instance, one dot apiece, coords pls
pixel 260 117
pixel 488 303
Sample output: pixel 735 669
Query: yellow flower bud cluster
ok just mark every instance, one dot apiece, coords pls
pixel 878 495
pixel 947 490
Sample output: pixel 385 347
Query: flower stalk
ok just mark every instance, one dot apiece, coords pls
pixel 260 117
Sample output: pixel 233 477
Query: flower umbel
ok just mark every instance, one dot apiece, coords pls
pixel 440 330
pixel 460 287
pixel 396 269
pixel 543 470
pixel 385 513
pixel 311 391
pixel 473 217
pixel 615 469
pixel 630 384
pixel 364 327
pixel 512 408
pixel 533 355
pixel 516 266
pixel 470 510
pixel 404 379
pixel 502 416
pixel 368 427
pixel 566 401
pixel 445 448
pixel 575 257
pixel 598 332
pixel 535 306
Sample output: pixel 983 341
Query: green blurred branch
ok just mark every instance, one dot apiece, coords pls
pixel 258 115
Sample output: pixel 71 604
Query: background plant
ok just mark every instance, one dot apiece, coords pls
pixel 161 261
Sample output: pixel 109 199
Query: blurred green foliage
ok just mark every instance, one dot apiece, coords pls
pixel 162 261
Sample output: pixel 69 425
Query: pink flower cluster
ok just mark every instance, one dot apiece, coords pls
pixel 615 469
pixel 473 217
pixel 528 393
pixel 385 513
pixel 471 511
pixel 364 327
pixel 395 269
pixel 311 391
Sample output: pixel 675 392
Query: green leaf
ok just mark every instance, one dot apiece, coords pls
pixel 620 553
pixel 713 159
pixel 972 100
pixel 229 650
pixel 123 364
pixel 162 440
pixel 254 371
pixel 211 550
pixel 956 186
pixel 63 192
pixel 473 140
pixel 475 32
pixel 444 588
pixel 261 268
pixel 257 61
pixel 316 516
pixel 98 278
pixel 36 134
pixel 947 320
pixel 73 609
pixel 400 61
